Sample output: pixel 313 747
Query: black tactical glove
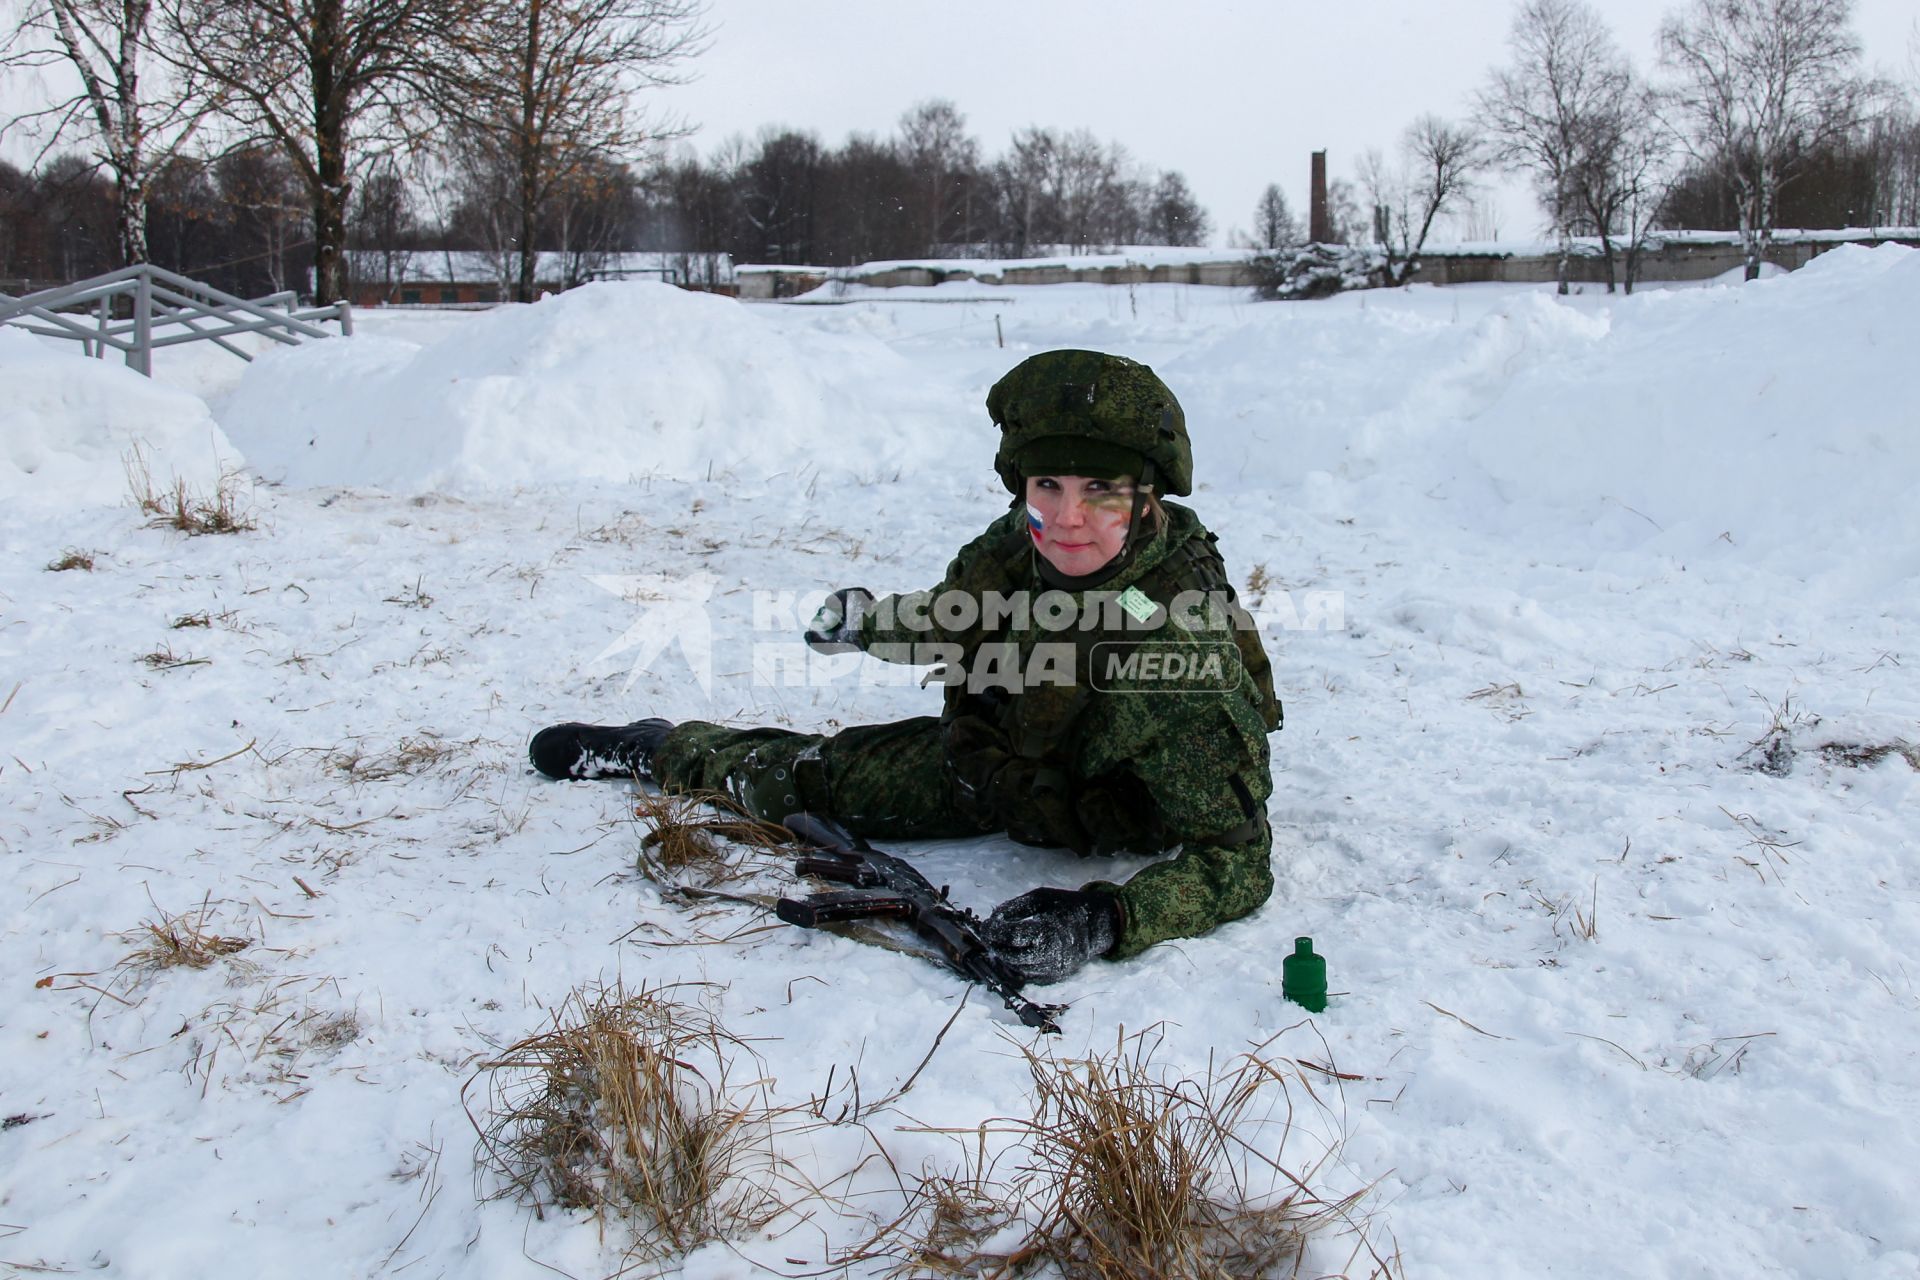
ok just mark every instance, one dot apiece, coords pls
pixel 1048 933
pixel 836 628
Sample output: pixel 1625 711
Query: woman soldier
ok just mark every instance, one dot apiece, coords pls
pixel 1103 693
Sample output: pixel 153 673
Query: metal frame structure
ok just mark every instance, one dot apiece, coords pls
pixel 163 305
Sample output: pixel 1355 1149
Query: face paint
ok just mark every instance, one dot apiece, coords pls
pixel 1078 523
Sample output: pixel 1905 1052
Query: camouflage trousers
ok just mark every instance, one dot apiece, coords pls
pixel 881 780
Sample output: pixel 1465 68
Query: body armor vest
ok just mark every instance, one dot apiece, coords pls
pixel 1012 755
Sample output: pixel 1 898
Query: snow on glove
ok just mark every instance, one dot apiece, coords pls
pixel 836 628
pixel 1048 933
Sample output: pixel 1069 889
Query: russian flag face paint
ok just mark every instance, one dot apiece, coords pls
pixel 1035 525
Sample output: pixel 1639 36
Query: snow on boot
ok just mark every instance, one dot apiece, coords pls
pixel 598 750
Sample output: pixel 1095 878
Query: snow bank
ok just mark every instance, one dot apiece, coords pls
pixel 1758 416
pixel 606 382
pixel 1757 420
pixel 71 422
pixel 1750 420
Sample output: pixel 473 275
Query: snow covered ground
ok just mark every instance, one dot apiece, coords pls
pixel 1586 801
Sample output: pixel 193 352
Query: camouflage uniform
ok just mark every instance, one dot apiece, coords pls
pixel 1126 766
pixel 1096 758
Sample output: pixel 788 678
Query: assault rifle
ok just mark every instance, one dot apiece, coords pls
pixel 888 887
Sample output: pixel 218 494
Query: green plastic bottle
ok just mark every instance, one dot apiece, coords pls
pixel 1303 977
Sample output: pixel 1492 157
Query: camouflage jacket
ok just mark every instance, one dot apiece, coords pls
pixel 1073 733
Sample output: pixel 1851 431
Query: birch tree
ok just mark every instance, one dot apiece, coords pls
pixel 1760 85
pixel 135 116
pixel 1556 111
pixel 333 83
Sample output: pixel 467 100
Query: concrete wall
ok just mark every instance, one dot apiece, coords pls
pixel 1674 260
pixel 767 283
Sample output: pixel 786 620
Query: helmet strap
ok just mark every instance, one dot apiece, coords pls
pixel 1142 490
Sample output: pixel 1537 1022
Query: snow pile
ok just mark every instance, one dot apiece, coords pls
pixel 610 381
pixel 72 422
pixel 1753 416
pixel 1751 421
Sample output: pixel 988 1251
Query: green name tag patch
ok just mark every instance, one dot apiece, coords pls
pixel 1136 602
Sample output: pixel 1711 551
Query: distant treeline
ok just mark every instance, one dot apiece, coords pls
pixel 255 142
pixel 241 220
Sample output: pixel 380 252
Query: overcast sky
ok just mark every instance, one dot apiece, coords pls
pixel 1233 94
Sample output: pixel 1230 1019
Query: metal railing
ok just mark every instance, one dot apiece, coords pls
pixel 165 309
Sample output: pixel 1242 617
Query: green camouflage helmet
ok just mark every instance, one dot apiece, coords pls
pixel 1109 409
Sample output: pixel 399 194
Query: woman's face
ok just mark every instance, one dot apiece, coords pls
pixel 1078 524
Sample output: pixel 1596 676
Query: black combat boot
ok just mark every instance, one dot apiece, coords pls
pixel 598 750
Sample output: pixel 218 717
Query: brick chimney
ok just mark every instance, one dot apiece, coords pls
pixel 1318 229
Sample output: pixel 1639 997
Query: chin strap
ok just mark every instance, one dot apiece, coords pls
pixel 1142 490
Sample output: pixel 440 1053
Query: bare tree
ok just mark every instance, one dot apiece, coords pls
pixel 1435 170
pixel 1083 180
pixel 945 163
pixel 1274 226
pixel 1624 175
pixel 481 218
pixel 1895 134
pixel 1344 220
pixel 1022 180
pixel 381 228
pixel 779 185
pixel 1555 110
pixel 331 82
pixel 557 85
pixel 137 117
pixel 263 197
pixel 1762 84
pixel 1897 137
pixel 60 219
pixel 1175 217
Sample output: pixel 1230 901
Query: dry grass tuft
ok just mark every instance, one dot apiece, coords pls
pixel 625 1108
pixel 331 1031
pixel 1128 1172
pixel 165 659
pixel 72 558
pixel 1145 1172
pixel 180 506
pixel 1508 700
pixel 412 597
pixel 411 757
pixel 175 941
pixel 1864 755
pixel 1773 750
pixel 206 619
pixel 950 1220
pixel 702 839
